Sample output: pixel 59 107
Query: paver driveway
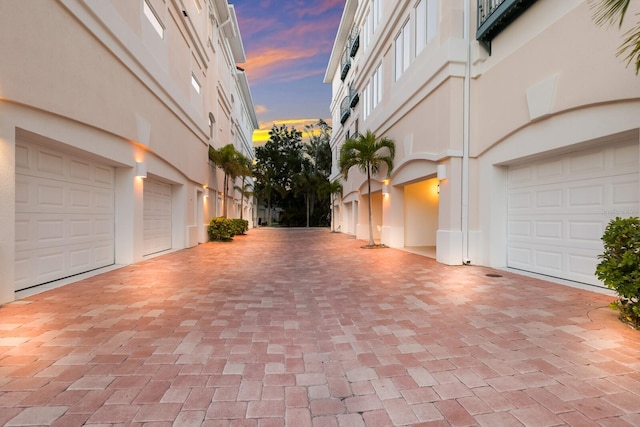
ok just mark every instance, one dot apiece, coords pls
pixel 303 328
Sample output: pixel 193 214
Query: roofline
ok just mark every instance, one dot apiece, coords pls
pixel 344 29
pixel 246 94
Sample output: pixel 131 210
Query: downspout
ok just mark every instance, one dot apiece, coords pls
pixel 465 135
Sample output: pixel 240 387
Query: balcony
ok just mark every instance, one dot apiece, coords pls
pixel 495 15
pixel 346 65
pixel 354 96
pixel 345 109
pixel 354 42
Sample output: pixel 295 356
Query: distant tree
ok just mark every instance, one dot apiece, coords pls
pixel 318 148
pixel 278 162
pixel 608 12
pixel 368 154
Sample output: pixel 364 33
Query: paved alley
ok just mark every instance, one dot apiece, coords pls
pixel 302 327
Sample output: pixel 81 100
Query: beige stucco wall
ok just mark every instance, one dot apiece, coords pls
pixel 96 79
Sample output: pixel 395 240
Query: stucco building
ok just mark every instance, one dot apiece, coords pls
pixel 107 111
pixel 516 129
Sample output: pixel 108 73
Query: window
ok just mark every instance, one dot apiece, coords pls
pixel 402 51
pixel 426 23
pixel 376 87
pixel 195 83
pixel 377 13
pixel 366 33
pixel 366 101
pixel 372 93
pixel 371 22
pixel 153 18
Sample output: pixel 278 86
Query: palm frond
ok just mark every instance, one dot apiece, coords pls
pixel 610 11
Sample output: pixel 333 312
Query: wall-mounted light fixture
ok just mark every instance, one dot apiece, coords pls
pixel 206 191
pixel 141 170
pixel 442 172
pixel 385 187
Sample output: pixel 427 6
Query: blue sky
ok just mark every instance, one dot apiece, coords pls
pixel 287 45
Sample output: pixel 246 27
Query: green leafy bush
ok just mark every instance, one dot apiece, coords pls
pixel 240 226
pixel 619 267
pixel 221 229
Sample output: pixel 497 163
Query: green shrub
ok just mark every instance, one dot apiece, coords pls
pixel 619 267
pixel 220 229
pixel 240 226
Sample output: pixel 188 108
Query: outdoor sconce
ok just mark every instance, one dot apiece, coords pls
pixel 141 170
pixel 206 191
pixel 385 189
pixel 442 172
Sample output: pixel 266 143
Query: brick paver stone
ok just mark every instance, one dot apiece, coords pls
pixel 303 328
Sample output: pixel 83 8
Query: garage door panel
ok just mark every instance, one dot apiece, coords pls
pixel 519 200
pixel 586 195
pixel 42 195
pixel 520 229
pixel 548 261
pixel 625 158
pixel 157 217
pixel 582 267
pixel 551 198
pixel 625 192
pixel 586 232
pixel 588 163
pixel 520 256
pixel 42 231
pixel 65 208
pixel 548 230
pixel 50 163
pixel 559 234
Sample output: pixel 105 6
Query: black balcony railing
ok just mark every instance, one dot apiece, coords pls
pixel 345 109
pixel 495 15
pixel 354 42
pixel 354 96
pixel 346 65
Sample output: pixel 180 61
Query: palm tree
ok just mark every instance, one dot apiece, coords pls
pixel 226 158
pixel 245 169
pixel 611 11
pixel 368 154
pixel 335 187
pixel 245 190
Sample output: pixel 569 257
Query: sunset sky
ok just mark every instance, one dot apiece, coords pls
pixel 287 44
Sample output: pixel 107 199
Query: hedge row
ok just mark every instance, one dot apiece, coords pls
pixel 223 229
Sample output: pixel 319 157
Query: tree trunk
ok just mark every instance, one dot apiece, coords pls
pixel 224 195
pixel 332 214
pixel 370 216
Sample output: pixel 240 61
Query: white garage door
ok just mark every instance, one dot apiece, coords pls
pixel 559 207
pixel 157 216
pixel 64 215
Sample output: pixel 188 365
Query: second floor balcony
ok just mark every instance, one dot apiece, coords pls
pixel 495 15
pixel 345 109
pixel 354 42
pixel 346 65
pixel 354 96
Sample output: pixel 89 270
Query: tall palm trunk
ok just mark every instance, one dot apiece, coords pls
pixel 225 184
pixel 370 216
pixel 332 211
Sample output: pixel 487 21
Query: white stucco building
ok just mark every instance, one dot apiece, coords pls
pixel 107 110
pixel 516 129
